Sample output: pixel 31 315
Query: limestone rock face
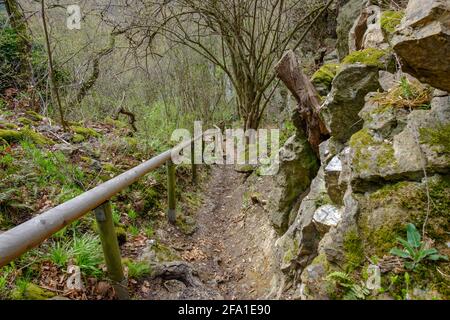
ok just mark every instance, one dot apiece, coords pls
pixel 366 31
pixel 346 99
pixel 347 16
pixel 375 158
pixel 423 42
pixel 298 165
pixel 298 246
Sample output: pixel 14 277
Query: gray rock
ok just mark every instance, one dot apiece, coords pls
pixel 313 284
pixel 331 57
pixel 297 167
pixel 377 159
pixel 366 31
pixel 298 246
pixel 327 216
pixel 347 98
pixel 335 189
pixel 385 120
pixel 423 42
pixel 328 149
pixel 347 16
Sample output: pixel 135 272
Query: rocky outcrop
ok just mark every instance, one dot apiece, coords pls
pixel 423 42
pixel 367 32
pixel 347 16
pixel 346 99
pixel 386 165
pixel 297 167
pixel 396 144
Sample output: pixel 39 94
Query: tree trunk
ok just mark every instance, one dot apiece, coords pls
pixel 289 71
pixel 19 24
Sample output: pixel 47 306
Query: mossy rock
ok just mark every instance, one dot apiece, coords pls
pixel 86 132
pixel 116 123
pixel 121 234
pixel 370 57
pixel 34 115
pixel 31 292
pixel 11 136
pixel 323 77
pixel 390 20
pixel 26 121
pixel 78 138
pixel 186 224
pixel 7 125
pixel 164 253
pixel 354 250
pixel 438 137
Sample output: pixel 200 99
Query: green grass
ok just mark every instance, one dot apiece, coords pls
pixel 59 253
pixel 138 270
pixel 87 254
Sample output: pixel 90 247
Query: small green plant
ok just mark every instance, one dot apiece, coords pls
pixel 59 254
pixel 352 290
pixel 133 230
pixel 414 251
pixel 132 214
pixel 149 232
pixel 88 254
pixel 137 270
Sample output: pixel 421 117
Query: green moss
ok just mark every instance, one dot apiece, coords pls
pixel 37 138
pixel 386 155
pixel 34 116
pixel 369 56
pixel 186 225
pixel 291 252
pixel 164 253
pixel 7 125
pixel 438 137
pixel 26 121
pixel 116 123
pixel 87 132
pixel 77 138
pixel 30 291
pixel 325 75
pixel 11 136
pixel 390 20
pixel 383 156
pixel 354 251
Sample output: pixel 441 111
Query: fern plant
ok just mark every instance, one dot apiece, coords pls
pixel 352 290
pixel 414 250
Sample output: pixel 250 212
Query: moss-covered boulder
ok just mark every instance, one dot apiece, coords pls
pixel 418 141
pixel 31 291
pixel 422 42
pixel 390 20
pixel 323 78
pixel 371 57
pixel 83 133
pixel 347 98
pixel 14 136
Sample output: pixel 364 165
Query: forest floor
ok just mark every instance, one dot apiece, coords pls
pixel 226 249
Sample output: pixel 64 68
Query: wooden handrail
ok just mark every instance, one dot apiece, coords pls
pixel 33 232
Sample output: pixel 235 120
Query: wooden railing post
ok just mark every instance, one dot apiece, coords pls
pixel 171 212
pixel 111 250
pixel 194 166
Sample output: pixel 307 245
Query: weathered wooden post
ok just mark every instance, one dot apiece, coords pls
pixel 194 166
pixel 171 212
pixel 111 250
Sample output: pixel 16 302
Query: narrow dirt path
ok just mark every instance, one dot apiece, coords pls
pixel 225 251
